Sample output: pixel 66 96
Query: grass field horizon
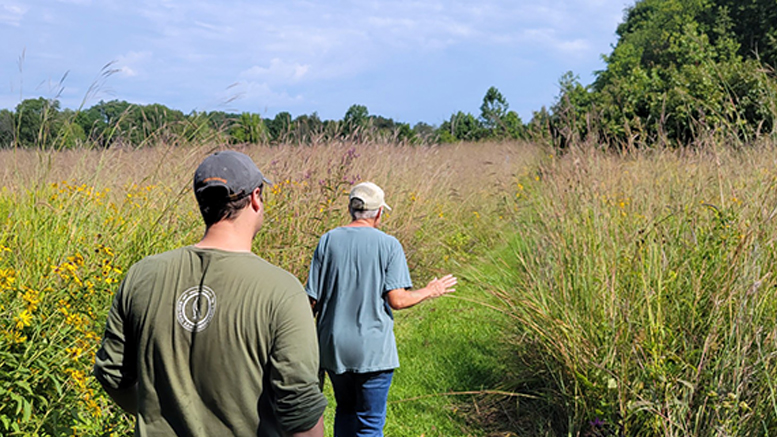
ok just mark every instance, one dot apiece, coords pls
pixel 601 293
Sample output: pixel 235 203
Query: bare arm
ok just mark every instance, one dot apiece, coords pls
pixel 126 398
pixel 316 431
pixel 401 298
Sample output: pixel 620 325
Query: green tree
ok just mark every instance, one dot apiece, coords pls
pixel 461 127
pixel 7 128
pixel 36 122
pixel 249 128
pixel 512 126
pixel 570 119
pixel 423 131
pixel 308 129
pixel 493 109
pixel 677 72
pixel 279 127
pixel 356 121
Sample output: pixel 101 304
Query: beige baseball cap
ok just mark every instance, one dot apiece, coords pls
pixel 369 193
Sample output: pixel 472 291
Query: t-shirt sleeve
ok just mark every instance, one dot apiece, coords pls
pixel 115 363
pixel 314 276
pixel 298 401
pixel 397 273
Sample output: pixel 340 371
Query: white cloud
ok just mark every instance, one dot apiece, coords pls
pixel 132 63
pixel 256 95
pixel 550 38
pixel 77 2
pixel 12 14
pixel 277 72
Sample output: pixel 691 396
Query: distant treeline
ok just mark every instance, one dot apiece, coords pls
pixel 682 71
pixel 42 123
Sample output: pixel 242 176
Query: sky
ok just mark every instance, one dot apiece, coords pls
pixel 409 60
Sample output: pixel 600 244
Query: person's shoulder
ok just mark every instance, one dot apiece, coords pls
pixel 158 259
pixel 263 270
pixel 387 237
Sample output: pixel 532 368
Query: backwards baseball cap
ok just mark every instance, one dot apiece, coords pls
pixel 370 194
pixel 230 172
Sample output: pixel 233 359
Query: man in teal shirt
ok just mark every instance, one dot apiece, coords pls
pixel 211 340
pixel 357 276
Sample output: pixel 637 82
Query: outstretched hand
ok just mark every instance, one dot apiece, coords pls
pixel 441 286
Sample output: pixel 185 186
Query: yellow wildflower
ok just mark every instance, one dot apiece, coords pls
pixel 17 337
pixel 7 278
pixel 31 298
pixel 23 319
pixel 74 352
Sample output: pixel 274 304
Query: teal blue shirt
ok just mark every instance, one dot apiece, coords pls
pixel 351 271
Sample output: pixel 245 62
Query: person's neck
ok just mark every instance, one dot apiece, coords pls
pixel 363 223
pixel 226 235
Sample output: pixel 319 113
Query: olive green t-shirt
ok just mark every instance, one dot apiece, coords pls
pixel 220 343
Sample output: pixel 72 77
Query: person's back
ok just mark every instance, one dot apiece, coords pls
pixel 354 267
pixel 203 369
pixel 210 339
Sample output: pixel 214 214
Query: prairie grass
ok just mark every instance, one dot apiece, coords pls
pixel 600 293
pixel 74 221
pixel 641 292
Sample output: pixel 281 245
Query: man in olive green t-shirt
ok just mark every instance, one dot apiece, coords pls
pixel 210 339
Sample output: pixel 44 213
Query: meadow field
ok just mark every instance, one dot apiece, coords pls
pixel 600 293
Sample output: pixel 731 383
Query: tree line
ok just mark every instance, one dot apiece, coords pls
pixel 41 122
pixel 681 71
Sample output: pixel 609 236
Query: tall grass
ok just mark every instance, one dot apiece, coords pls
pixel 637 287
pixel 641 288
pixel 73 222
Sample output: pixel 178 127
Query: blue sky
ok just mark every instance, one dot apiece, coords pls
pixel 409 60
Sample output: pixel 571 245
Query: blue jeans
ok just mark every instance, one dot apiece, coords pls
pixel 361 403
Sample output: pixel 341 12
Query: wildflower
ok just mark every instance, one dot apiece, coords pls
pixel 74 319
pixel 16 337
pixel 7 278
pixel 79 377
pixel 92 405
pixel 23 319
pixel 74 352
pixel 31 298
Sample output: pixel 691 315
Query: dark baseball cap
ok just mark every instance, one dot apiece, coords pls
pixel 232 173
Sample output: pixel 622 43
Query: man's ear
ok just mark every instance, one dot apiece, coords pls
pixel 257 201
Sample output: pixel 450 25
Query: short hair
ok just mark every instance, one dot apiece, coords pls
pixel 356 208
pixel 214 207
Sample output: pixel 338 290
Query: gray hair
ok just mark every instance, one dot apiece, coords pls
pixel 356 208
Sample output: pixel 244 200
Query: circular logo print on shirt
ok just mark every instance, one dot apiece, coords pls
pixel 195 308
